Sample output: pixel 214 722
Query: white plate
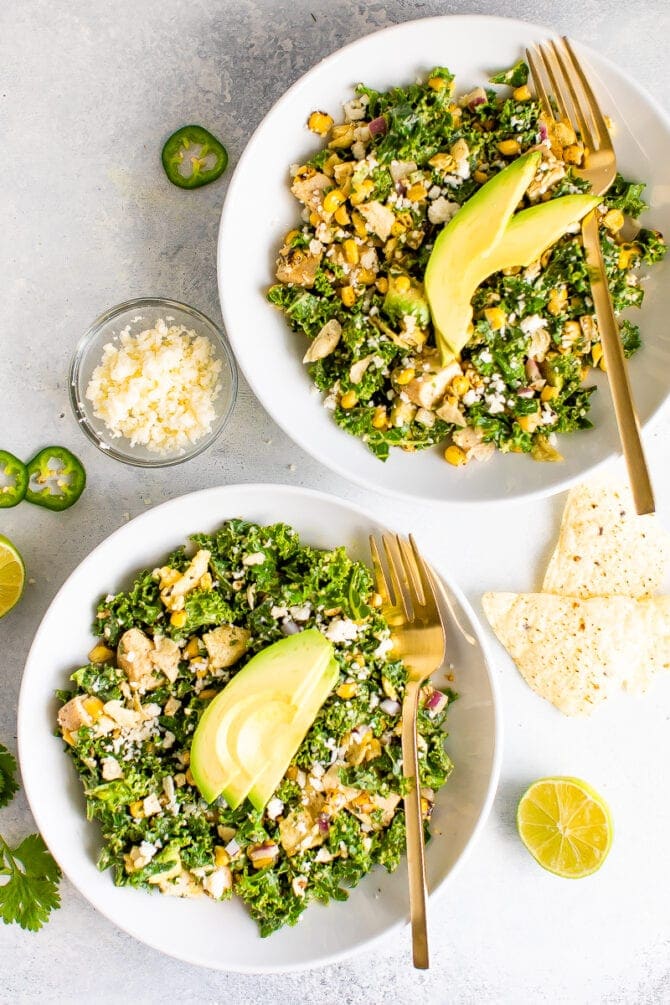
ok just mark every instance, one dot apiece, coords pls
pixel 259 210
pixel 201 931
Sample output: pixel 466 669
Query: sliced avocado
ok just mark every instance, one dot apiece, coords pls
pixel 465 241
pixel 533 230
pixel 398 303
pixel 259 715
pixel 284 747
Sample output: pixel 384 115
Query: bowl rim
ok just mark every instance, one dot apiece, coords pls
pixel 260 490
pixel 80 409
pixel 338 466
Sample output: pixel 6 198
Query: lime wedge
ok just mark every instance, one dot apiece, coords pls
pixel 565 825
pixel 12 576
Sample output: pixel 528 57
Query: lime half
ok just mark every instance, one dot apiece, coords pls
pixel 12 576
pixel 565 825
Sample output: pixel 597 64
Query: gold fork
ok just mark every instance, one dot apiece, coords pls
pixel 410 608
pixel 557 74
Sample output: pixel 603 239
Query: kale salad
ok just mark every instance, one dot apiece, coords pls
pixel 167 646
pixel 350 274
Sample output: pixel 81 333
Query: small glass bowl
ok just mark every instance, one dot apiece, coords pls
pixel 138 315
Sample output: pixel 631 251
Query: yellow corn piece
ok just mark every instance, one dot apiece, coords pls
pixel 496 317
pixel 398 228
pixel 320 123
pixel 548 393
pixel 178 619
pixel 290 236
pixel 341 215
pixel 342 136
pixel 94 707
pixel 101 654
pixel 596 353
pixel 613 220
pixel 349 399
pixel 189 777
pixel 558 298
pixel 350 249
pixel 136 809
pixel 529 423
pixel 192 649
pixel 509 148
pixel 359 225
pixel 442 162
pixel 480 176
pixel 402 284
pixel 206 581
pixel 347 690
pixel 333 199
pixel 382 284
pixel 314 218
pixel 68 737
pixel 417 192
pixel 380 418
pixel 627 254
pixel 438 83
pixel 521 93
pixel 366 277
pixel 221 856
pixel 460 385
pixel 348 296
pixel 405 376
pixel 330 164
pixel 454 455
pixel 208 694
pixel 361 191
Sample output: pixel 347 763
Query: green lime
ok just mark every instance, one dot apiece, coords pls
pixel 12 576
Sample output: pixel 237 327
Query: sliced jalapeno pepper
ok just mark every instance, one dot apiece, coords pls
pixel 14 491
pixel 193 157
pixel 56 479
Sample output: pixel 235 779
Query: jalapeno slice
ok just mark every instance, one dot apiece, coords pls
pixel 13 490
pixel 193 157
pixel 56 479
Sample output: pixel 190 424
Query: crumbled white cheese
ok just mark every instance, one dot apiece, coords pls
pixel 342 630
pixel 218 882
pixel 383 648
pixel 532 323
pixel 111 769
pixel 274 808
pixel 257 558
pixel 151 805
pixel 157 388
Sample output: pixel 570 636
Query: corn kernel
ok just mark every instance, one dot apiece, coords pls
pixel 347 690
pixel 208 694
pixel 496 317
pixel 558 297
pixel 382 284
pixel 178 619
pixel 349 399
pixel 320 123
pixel 304 171
pixel 290 236
pixel 359 225
pixel 189 777
pixel 380 418
pixel 509 148
pixel 596 353
pixel 94 707
pixel 68 737
pixel 206 581
pixel 221 856
pixel 314 218
pixel 100 654
pixel 398 228
pixel 613 220
pixel 342 136
pixel 351 251
pixel 627 254
pixel 402 284
pixel 454 455
pixel 529 423
pixel 460 385
pixel 136 809
pixel 192 649
pixel 438 83
pixel 548 393
pixel 333 199
pixel 361 192
pixel 442 162
pixel 425 806
pixel 602 364
pixel 341 216
pixel 366 277
pixel 405 376
pixel 417 192
pixel 521 93
pixel 480 176
pixel 348 296
pixel 330 165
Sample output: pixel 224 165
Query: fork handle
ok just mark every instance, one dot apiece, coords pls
pixel 617 372
pixel 416 866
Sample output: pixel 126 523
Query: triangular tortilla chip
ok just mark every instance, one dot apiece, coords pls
pixel 576 653
pixel 604 548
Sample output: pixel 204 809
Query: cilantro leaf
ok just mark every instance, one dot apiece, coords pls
pixel 8 783
pixel 30 892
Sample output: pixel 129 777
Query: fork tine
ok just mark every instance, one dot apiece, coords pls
pixel 594 107
pixel 587 134
pixel 397 572
pixel 539 84
pixel 381 584
pixel 553 82
pixel 426 577
pixel 424 592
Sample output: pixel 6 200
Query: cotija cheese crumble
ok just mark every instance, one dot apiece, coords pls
pixel 157 388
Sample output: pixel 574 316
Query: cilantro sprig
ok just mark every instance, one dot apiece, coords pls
pixel 29 876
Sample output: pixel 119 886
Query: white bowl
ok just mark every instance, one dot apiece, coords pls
pixel 259 210
pixel 222 935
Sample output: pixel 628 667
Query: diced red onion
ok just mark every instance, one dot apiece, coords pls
pixel 525 392
pixel 390 707
pixel 378 126
pixel 436 702
pixel 476 101
pixel 324 823
pixel 543 131
pixel 533 371
pixel 232 848
pixel 289 627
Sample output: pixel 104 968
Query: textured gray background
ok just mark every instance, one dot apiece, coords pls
pixel 88 92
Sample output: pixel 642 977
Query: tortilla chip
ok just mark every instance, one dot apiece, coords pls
pixel 604 548
pixel 577 653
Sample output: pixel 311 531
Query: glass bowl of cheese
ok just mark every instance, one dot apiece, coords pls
pixel 153 382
